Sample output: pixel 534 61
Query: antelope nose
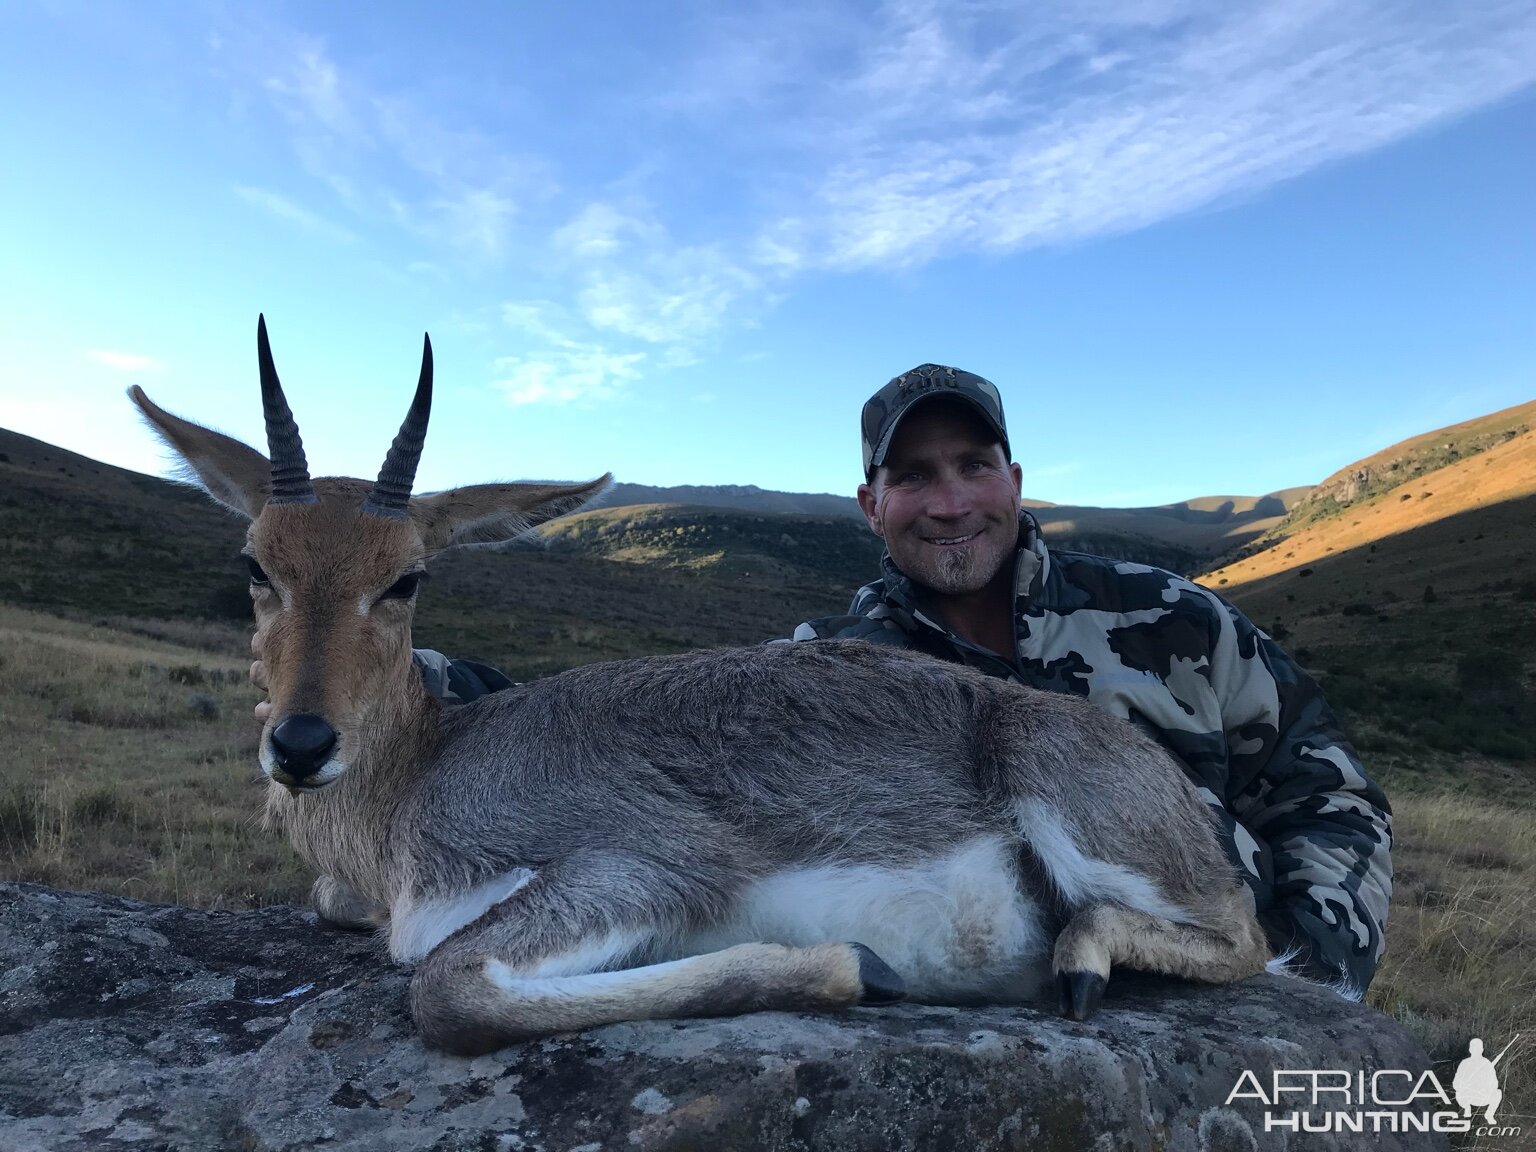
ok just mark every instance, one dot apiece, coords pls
pixel 302 743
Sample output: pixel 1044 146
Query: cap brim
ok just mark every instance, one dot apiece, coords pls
pixel 877 458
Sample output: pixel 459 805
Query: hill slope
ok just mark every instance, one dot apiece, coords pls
pixel 1183 536
pixel 1407 460
pixel 1415 602
pixel 102 542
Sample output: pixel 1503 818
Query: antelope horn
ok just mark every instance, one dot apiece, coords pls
pixel 290 471
pixel 392 491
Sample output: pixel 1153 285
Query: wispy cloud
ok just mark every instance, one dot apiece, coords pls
pixel 383 157
pixel 309 87
pixel 278 205
pixel 631 278
pixel 637 301
pixel 124 361
pixel 558 368
pixel 797 139
pixel 995 128
pixel 566 375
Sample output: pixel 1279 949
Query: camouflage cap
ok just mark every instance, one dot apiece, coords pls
pixel 885 409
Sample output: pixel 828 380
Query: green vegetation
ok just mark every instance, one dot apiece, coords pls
pixel 1439 687
pixel 808 548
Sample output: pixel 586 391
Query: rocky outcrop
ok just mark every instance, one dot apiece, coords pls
pixel 138 1026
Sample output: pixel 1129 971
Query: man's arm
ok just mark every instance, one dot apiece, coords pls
pixel 457 681
pixel 1296 784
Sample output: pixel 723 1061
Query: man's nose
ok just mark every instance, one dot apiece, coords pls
pixel 948 497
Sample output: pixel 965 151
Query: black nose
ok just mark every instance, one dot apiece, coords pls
pixel 302 743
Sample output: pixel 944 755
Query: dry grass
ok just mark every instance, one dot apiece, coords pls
pixel 1461 957
pixel 131 769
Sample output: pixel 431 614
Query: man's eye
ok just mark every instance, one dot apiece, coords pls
pixel 403 588
pixel 258 573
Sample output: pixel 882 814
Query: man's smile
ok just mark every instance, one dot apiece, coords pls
pixel 951 541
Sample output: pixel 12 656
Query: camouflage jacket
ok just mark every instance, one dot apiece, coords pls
pixel 1310 831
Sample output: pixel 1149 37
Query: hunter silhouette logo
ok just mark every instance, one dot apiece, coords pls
pixel 1477 1080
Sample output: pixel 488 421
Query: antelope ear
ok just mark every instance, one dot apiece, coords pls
pixel 488 513
pixel 234 474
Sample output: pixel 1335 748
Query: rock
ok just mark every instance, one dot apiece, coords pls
pixel 148 1026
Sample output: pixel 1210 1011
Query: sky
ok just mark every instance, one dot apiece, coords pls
pixel 1201 247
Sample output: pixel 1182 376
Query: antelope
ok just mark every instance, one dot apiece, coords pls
pixel 687 835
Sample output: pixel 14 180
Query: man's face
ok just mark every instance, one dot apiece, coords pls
pixel 946 500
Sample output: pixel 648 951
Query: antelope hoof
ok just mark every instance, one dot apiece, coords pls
pixel 880 982
pixel 1080 993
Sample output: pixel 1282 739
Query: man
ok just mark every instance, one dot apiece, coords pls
pixel 968 578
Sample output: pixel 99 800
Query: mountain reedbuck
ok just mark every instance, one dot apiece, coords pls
pixel 687 835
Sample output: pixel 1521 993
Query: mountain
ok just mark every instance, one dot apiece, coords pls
pixel 1185 536
pixel 102 542
pixel 1407 583
pixel 1405 462
pixel 742 497
pixel 1409 485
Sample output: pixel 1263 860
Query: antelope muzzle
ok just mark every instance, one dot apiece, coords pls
pixel 303 746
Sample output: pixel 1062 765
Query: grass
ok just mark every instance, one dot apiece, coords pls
pixel 131 770
pixel 1461 956
pixel 130 765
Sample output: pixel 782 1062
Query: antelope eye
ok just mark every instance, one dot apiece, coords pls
pixel 258 573
pixel 403 588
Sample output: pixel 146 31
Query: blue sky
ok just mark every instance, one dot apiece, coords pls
pixel 1202 247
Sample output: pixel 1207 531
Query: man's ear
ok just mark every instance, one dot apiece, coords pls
pixel 870 506
pixel 488 513
pixel 1018 479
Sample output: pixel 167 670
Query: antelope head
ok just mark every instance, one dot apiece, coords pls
pixel 335 564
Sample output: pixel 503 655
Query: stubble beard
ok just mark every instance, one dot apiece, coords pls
pixel 958 571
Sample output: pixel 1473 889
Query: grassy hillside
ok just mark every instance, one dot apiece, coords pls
pixel 1416 606
pixel 82 537
pixel 1407 461
pixel 130 763
pixel 77 534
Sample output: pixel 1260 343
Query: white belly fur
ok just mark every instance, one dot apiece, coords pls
pixel 956 929
pixel 415 928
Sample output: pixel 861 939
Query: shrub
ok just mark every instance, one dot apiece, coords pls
pixel 203 706
pixel 97 807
